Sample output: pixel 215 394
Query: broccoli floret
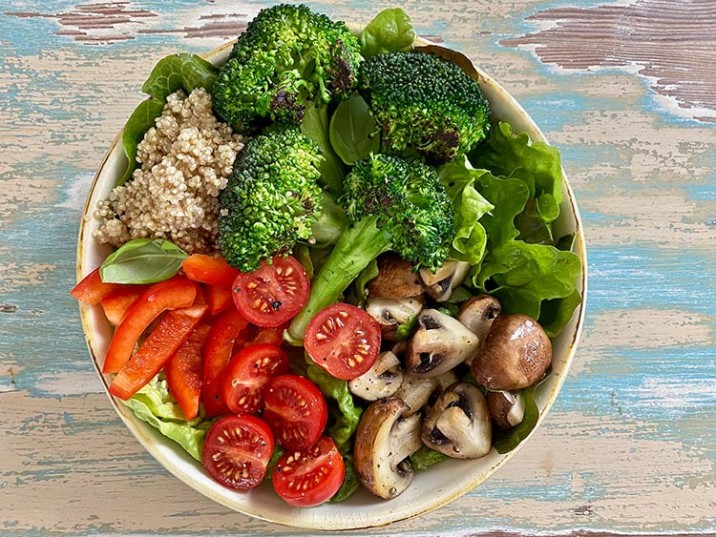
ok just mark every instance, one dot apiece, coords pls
pixel 287 56
pixel 394 204
pixel 272 198
pixel 424 103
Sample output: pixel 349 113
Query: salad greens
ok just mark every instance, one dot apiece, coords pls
pixel 353 132
pixel 390 31
pixel 142 261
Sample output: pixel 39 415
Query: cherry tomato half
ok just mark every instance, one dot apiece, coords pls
pixel 309 477
pixel 237 451
pixel 247 375
pixel 296 411
pixel 343 340
pixel 272 294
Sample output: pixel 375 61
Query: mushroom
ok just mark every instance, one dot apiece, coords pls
pixel 416 390
pixel 439 344
pixel 478 313
pixel 458 424
pixel 384 441
pixel 515 354
pixel 396 279
pixel 441 283
pixel 381 380
pixel 392 312
pixel 506 408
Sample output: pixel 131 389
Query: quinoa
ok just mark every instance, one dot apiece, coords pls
pixel 184 163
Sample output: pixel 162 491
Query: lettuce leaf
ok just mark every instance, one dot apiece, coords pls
pixel 425 457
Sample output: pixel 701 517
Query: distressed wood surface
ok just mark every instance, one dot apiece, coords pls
pixel 625 89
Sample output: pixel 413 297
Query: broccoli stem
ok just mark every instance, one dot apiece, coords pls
pixel 357 247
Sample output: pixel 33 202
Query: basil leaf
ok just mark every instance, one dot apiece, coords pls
pixel 141 120
pixel 143 261
pixel 353 131
pixel 179 71
pixel 390 31
pixel 506 440
pixel 315 125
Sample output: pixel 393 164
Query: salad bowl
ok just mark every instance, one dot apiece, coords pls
pixel 431 488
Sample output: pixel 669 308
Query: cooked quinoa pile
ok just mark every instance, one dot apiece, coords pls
pixel 184 163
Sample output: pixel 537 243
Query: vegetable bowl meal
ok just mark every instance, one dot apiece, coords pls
pixel 330 268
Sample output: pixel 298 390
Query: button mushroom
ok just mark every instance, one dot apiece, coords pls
pixel 515 354
pixel 458 424
pixel 439 344
pixel 506 408
pixel 478 313
pixel 416 390
pixel 384 441
pixel 392 312
pixel 381 380
pixel 441 283
pixel 396 279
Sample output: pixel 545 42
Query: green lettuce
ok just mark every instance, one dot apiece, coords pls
pixel 425 457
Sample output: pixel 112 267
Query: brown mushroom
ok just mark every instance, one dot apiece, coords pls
pixel 392 312
pixel 478 314
pixel 384 441
pixel 381 380
pixel 441 283
pixel 396 279
pixel 515 354
pixel 506 408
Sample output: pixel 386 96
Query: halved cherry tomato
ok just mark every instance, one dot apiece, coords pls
pixel 247 375
pixel 237 451
pixel 296 411
pixel 184 372
pixel 116 304
pixel 310 477
pixel 171 332
pixel 91 289
pixel 217 353
pixel 272 294
pixel 177 292
pixel 272 336
pixel 343 340
pixel 218 298
pixel 212 270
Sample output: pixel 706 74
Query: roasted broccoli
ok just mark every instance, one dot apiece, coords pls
pixel 394 204
pixel 287 56
pixel 424 103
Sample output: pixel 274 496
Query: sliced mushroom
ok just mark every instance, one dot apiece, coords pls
pixel 506 408
pixel 396 279
pixel 515 354
pixel 381 380
pixel 441 283
pixel 478 314
pixel 416 390
pixel 439 344
pixel 392 312
pixel 384 441
pixel 458 425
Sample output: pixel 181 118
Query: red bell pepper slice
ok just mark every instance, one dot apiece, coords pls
pixel 201 296
pixel 217 354
pixel 116 304
pixel 219 298
pixel 171 332
pixel 91 290
pixel 177 292
pixel 184 372
pixel 212 270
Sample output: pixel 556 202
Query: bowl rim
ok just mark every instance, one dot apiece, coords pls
pixel 139 428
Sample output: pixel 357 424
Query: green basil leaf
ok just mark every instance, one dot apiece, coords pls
pixel 141 120
pixel 506 440
pixel 179 71
pixel 425 457
pixel 315 125
pixel 143 261
pixel 353 132
pixel 390 31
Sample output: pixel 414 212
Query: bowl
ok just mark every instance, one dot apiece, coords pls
pixel 430 489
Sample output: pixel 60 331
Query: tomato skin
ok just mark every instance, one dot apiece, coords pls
pixel 91 289
pixel 247 375
pixel 320 466
pixel 184 372
pixel 296 411
pixel 272 294
pixel 343 340
pixel 219 298
pixel 170 334
pixel 237 450
pixel 210 270
pixel 116 304
pixel 177 292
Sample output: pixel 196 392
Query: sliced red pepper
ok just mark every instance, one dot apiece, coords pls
pixel 212 270
pixel 201 296
pixel 177 292
pixel 116 304
pixel 219 298
pixel 91 290
pixel 171 332
pixel 217 353
pixel 184 372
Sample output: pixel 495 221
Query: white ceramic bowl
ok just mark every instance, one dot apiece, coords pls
pixel 430 489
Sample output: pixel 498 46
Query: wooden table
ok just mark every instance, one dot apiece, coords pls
pixel 626 89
